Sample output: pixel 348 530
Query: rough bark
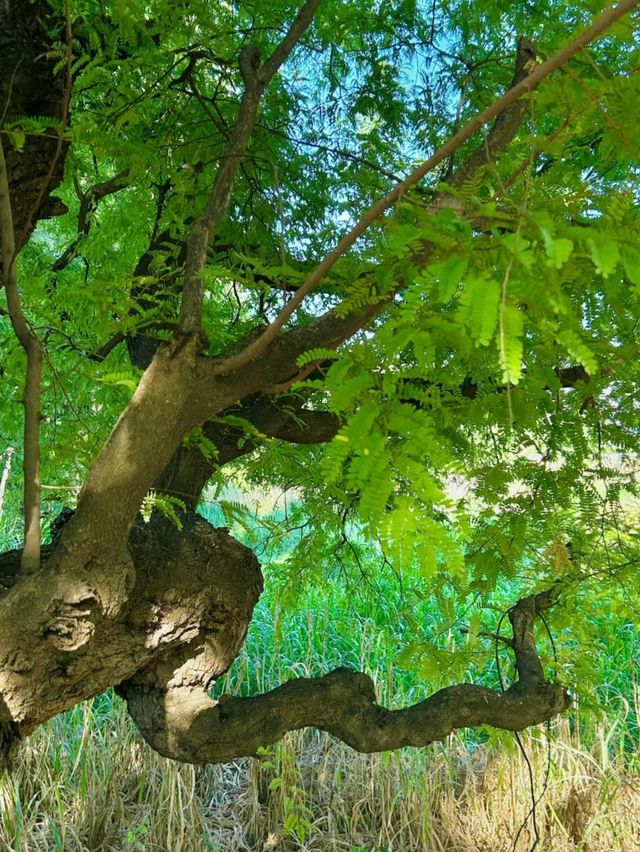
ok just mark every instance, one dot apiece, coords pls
pixel 183 622
pixel 192 597
pixel 176 716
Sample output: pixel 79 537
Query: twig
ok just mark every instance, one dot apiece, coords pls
pixel 88 201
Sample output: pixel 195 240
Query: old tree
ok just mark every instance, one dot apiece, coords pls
pixel 213 270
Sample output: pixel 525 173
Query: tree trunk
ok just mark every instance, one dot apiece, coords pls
pixel 187 612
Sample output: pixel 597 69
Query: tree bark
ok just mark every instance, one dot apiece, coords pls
pixel 191 599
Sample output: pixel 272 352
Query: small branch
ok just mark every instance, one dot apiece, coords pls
pixel 524 87
pixel 32 388
pixel 255 78
pixel 337 152
pixel 185 724
pixel 107 348
pixel 301 23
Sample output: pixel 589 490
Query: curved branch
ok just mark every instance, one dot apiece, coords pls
pixel 180 721
pixel 285 419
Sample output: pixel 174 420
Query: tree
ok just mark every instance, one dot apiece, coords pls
pixel 478 323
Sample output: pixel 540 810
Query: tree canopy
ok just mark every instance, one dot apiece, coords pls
pixel 216 272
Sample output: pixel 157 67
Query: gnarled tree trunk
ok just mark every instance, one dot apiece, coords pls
pixel 181 626
pixel 184 620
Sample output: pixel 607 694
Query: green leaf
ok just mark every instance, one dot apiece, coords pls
pixel 510 343
pixel 559 249
pixel 631 262
pixel 17 138
pixel 578 349
pixel 605 255
pixel 448 275
pixel 480 300
pixel 318 354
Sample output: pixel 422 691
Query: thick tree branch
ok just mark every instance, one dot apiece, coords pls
pixel 280 55
pixel 59 646
pixel 59 153
pixel 523 87
pixel 256 78
pixel 176 393
pixel 284 419
pixel 179 720
pixel 506 123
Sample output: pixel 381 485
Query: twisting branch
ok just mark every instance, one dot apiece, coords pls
pixel 182 722
pixel 524 87
pixel 256 77
pixel 32 388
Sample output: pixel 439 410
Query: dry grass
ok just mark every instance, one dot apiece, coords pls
pixel 86 782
